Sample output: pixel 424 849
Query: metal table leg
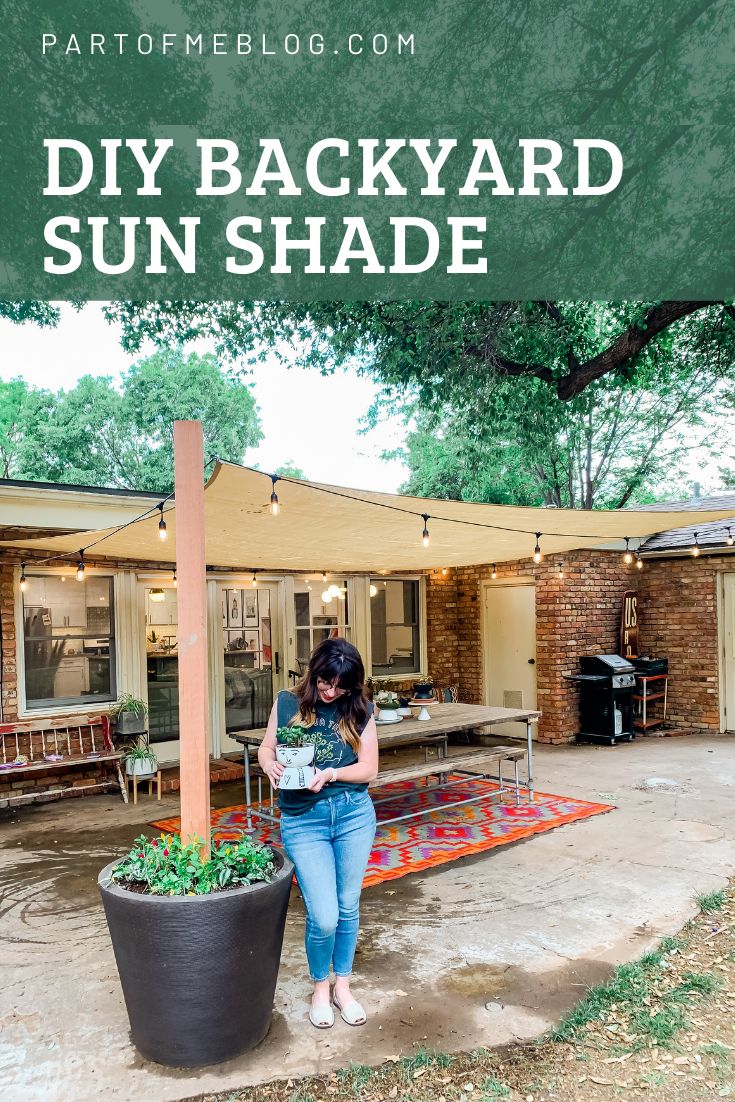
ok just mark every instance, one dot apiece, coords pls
pixel 246 763
pixel 529 741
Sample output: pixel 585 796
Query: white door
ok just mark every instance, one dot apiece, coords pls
pixel 728 671
pixel 252 656
pixel 509 640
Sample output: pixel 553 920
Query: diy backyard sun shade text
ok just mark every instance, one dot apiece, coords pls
pixel 311 229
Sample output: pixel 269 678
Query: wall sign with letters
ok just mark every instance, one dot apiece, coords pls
pixel 629 625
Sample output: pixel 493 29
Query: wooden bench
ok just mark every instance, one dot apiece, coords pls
pixel 478 765
pixel 50 746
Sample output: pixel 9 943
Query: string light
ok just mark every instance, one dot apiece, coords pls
pixel 730 537
pixel 537 549
pixel 163 534
pixel 275 507
pixel 254 580
pixel 80 566
pixel 425 533
pixel 495 572
pixel 561 570
pixel 444 571
pixel 638 560
pixel 324 575
pixel 628 556
pixel 23 579
pixel 696 548
pixel 327 597
pixel 373 590
pixel 175 580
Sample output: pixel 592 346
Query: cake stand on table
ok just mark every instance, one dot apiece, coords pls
pixel 422 707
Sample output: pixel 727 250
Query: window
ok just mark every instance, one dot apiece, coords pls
pixel 319 612
pixel 394 626
pixel 68 640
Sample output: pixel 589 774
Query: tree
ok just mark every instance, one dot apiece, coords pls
pixel 435 346
pixel 99 436
pixel 289 470
pixel 620 442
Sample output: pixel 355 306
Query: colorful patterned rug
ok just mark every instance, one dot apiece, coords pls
pixel 439 836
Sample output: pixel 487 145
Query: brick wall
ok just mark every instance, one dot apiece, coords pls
pixel 678 610
pixel 577 615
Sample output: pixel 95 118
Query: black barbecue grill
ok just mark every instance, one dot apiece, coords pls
pixel 606 683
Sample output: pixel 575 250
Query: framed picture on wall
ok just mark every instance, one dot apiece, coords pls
pixel 235 640
pixel 251 640
pixel 234 608
pixel 250 608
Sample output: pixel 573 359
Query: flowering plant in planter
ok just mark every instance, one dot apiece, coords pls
pixel 386 699
pixel 167 866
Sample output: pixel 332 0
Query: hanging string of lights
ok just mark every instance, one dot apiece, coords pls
pixel 335 591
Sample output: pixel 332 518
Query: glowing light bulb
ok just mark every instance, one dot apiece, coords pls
pixel 628 556
pixel 425 534
pixel 327 597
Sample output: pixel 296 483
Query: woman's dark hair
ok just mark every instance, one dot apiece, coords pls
pixel 330 660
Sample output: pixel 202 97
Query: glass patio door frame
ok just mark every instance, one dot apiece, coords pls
pixel 221 742
pixel 167 752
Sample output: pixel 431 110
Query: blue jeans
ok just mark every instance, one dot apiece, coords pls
pixel 330 845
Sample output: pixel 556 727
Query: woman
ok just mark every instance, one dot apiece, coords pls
pixel 328 829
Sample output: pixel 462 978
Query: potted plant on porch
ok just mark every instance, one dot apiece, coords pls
pixel 140 760
pixel 129 714
pixel 423 689
pixel 197 943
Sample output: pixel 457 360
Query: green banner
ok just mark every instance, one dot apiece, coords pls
pixel 500 149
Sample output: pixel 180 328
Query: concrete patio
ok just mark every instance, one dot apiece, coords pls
pixel 487 950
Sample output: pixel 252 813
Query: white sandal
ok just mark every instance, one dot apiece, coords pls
pixel 321 1016
pixel 352 1012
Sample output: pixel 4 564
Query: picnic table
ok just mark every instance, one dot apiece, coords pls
pixel 445 719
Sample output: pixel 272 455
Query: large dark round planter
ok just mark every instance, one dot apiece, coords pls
pixel 422 691
pixel 198 972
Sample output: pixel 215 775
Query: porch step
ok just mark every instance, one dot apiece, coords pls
pixel 220 769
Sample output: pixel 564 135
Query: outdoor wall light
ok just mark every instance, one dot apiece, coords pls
pixel 696 548
pixel 425 533
pixel 23 579
pixel 275 507
pixel 628 556
pixel 157 595
pixel 537 549
pixel 80 566
pixel 163 534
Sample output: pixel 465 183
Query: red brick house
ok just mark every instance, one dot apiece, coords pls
pixel 502 634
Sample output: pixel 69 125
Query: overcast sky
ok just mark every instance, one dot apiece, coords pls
pixel 307 418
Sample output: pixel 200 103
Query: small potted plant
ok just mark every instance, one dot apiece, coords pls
pixel 423 689
pixel 197 944
pixel 129 714
pixel 140 760
pixel 387 704
pixel 295 751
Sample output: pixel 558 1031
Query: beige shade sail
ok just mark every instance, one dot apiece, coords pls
pixel 322 527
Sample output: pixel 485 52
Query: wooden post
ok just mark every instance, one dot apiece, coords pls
pixel 192 603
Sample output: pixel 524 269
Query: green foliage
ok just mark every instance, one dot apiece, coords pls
pixel 167 866
pixel 492 1088
pixel 297 736
pixel 422 1058
pixel 126 702
pixel 96 435
pixel 711 901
